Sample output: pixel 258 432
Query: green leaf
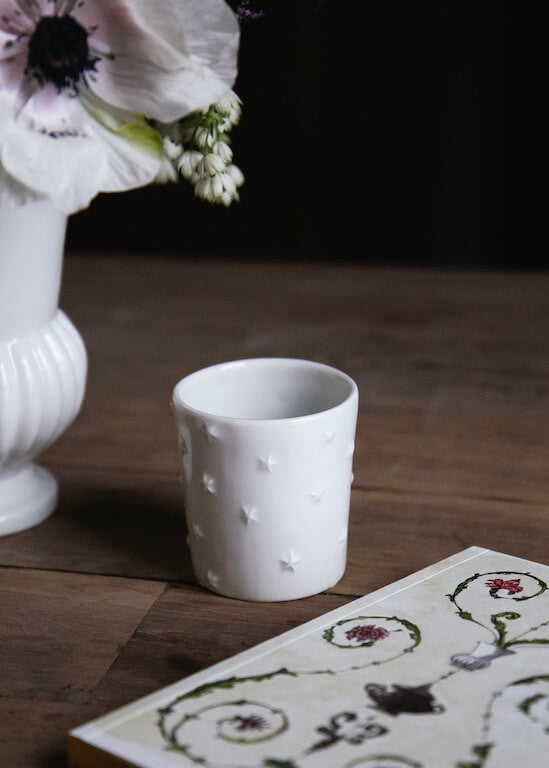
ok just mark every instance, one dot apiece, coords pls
pixel 482 750
pixel 466 615
pixel 530 680
pixel 525 705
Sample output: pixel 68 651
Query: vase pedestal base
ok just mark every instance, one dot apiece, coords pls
pixel 27 497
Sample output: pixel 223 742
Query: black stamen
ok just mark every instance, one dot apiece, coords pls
pixel 59 53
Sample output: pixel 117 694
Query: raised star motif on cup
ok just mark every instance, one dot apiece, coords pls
pixel 343 534
pixel 183 447
pixel 329 436
pixel 209 484
pixel 248 514
pixel 213 578
pixel 210 432
pixel 290 562
pixel 316 495
pixel 197 531
pixel 266 463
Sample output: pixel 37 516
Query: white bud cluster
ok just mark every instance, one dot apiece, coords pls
pixel 199 148
pixel 172 153
pixel 229 107
pixel 220 187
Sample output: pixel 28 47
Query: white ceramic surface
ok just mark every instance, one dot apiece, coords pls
pixel 266 449
pixel 42 361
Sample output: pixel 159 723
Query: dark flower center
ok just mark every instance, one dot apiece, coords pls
pixel 58 52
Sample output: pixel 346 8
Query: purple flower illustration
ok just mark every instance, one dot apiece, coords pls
pixel 250 723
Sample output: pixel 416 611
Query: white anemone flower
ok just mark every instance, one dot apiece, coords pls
pixel 83 82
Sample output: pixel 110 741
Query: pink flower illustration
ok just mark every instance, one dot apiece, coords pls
pixel 511 585
pixel 366 632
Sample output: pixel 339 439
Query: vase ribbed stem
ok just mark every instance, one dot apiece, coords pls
pixel 43 361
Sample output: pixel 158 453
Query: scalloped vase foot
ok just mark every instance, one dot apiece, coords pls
pixel 27 497
pixel 43 362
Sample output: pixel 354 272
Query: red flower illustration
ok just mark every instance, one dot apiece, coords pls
pixel 511 585
pixel 366 632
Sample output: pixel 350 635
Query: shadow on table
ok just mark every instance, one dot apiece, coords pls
pixel 116 531
pixel 57 760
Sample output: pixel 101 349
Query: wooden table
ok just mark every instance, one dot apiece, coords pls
pixel 98 605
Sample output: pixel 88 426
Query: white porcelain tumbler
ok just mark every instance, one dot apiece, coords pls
pixel 266 449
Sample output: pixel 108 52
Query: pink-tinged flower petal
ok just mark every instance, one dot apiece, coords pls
pixel 13 58
pixel 34 9
pixel 69 143
pixel 57 149
pixel 51 111
pixel 11 45
pixel 52 151
pixel 163 65
pixel 12 76
pixel 15 20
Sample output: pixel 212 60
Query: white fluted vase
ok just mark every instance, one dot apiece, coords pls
pixel 43 361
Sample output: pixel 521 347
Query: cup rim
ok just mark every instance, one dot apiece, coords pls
pixel 178 401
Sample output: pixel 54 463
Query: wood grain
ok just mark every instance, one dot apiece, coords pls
pixel 33 733
pixel 99 604
pixel 62 632
pixel 453 367
pixel 189 629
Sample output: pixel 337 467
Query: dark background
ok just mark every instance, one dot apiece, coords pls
pixel 371 131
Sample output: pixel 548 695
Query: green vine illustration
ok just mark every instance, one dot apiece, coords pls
pixel 480 751
pixel 485 749
pixel 200 691
pixel 228 727
pixel 413 630
pixel 236 723
pixel 500 626
pixel 241 721
pixel 530 680
pixel 466 615
pixel 381 758
pixel 496 619
pixel 525 706
pixel 534 641
pixel 227 684
pixel 462 586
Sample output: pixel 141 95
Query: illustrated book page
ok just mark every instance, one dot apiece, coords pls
pixel 448 668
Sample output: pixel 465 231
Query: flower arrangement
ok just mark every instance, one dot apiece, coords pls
pixel 109 95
